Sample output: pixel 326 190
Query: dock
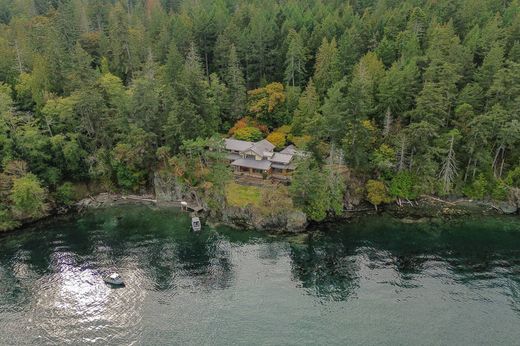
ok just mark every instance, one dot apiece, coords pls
pixel 191 207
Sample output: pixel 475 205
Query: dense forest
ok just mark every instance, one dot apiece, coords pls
pixel 413 96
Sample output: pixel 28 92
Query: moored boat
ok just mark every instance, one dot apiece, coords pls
pixel 114 279
pixel 195 224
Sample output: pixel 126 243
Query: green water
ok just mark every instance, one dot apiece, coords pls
pixel 366 283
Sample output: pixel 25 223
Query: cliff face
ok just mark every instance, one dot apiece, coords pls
pixel 514 202
pixel 248 217
pixel 167 189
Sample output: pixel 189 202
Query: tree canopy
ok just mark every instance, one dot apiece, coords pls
pixel 409 92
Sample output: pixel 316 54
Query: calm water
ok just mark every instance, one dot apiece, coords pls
pixel 373 282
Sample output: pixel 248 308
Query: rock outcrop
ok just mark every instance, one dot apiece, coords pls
pixel 105 199
pixel 514 201
pixel 167 189
pixel 292 221
pixel 508 208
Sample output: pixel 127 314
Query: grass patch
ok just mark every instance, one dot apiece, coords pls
pixel 241 195
pixel 267 200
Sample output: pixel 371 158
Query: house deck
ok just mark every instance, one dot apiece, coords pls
pixel 258 160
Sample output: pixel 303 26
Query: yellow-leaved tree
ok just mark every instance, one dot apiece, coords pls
pixel 266 104
pixel 377 192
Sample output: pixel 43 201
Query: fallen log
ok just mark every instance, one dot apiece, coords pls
pixel 438 200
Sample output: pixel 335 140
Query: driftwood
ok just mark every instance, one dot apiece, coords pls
pixel 438 200
pixel 400 202
pixel 137 198
pixel 497 208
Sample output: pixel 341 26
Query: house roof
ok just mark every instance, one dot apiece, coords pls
pixel 262 146
pixel 283 166
pixel 250 163
pixel 281 158
pixel 233 156
pixel 237 145
pixel 290 150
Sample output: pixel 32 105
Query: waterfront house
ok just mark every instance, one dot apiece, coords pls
pixel 259 158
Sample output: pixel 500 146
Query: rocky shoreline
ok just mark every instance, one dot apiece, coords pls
pixel 295 221
pixel 425 209
pixel 244 217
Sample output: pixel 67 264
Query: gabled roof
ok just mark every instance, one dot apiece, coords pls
pixel 237 145
pixel 281 158
pixel 262 146
pixel 290 150
pixel 250 163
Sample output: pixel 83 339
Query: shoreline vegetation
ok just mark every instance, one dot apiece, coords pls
pixel 243 216
pixel 330 105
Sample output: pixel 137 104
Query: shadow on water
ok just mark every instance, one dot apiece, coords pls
pixel 331 262
pixel 328 270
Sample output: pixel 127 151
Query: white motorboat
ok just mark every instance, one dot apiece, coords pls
pixel 195 224
pixel 114 279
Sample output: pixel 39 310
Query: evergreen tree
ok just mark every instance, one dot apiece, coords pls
pixel 306 117
pixel 398 88
pixel 174 63
pixel 80 70
pixel 363 88
pixel 307 190
pixel 146 106
pixel 295 59
pixel 119 42
pixel 236 86
pixel 351 47
pixel 91 91
pixel 449 169
pixel 327 69
pixel 493 62
pixel 193 106
pixel 335 112
pixel 218 95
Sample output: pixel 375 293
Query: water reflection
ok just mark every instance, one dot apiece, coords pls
pixel 57 274
pixel 329 271
pixel 51 287
pixel 471 252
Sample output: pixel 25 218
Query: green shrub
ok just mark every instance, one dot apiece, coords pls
pixel 500 191
pixel 128 179
pixel 513 177
pixel 402 186
pixel 384 159
pixel 478 189
pixel 249 133
pixel 28 196
pixel 285 129
pixel 65 194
